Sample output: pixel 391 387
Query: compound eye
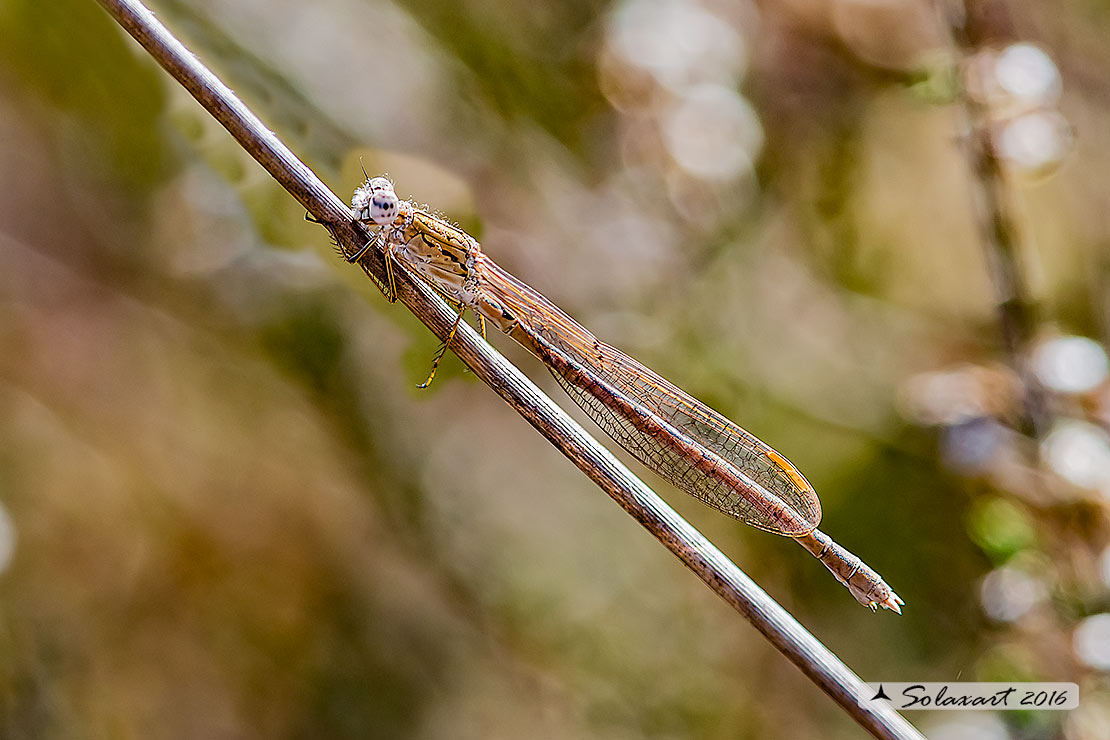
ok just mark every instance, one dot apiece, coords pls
pixel 383 207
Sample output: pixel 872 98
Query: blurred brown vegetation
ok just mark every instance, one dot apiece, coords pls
pixel 225 510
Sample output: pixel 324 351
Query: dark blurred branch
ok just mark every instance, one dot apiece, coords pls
pixel 717 571
pixel 969 24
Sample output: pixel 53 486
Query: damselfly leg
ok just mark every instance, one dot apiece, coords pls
pixel 442 351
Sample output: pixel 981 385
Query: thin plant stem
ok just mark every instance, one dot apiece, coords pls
pixel 964 23
pixel 816 661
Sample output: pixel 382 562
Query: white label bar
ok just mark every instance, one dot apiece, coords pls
pixel 974 696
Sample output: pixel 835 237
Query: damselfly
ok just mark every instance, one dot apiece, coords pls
pixel 678 437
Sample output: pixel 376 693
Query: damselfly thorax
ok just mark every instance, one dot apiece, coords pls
pixel 443 255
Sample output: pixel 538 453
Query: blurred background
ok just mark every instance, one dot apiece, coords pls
pixel 226 511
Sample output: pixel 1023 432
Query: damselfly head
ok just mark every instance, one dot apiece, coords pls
pixel 375 201
pixel 381 182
